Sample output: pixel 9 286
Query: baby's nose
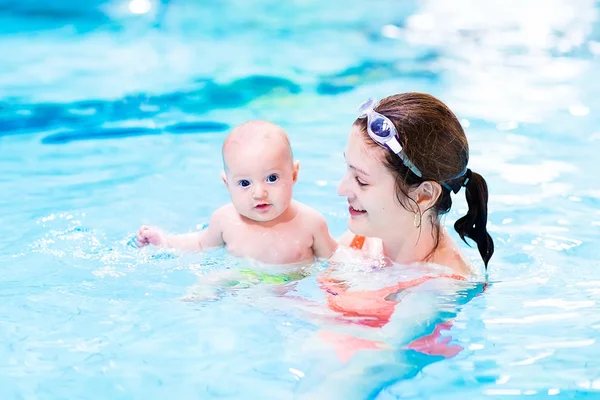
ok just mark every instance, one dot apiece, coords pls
pixel 260 192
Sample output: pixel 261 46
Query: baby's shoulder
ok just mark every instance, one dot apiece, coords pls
pixel 224 214
pixel 308 215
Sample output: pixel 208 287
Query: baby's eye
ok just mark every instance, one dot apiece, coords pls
pixel 272 178
pixel 244 183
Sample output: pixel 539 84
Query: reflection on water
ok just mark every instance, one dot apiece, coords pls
pixel 524 64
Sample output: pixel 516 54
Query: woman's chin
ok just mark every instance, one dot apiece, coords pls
pixel 358 226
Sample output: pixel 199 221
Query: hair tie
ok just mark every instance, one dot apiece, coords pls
pixel 468 175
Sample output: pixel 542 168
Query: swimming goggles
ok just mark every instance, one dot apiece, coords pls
pixel 384 133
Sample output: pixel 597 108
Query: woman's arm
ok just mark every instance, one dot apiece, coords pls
pixel 420 312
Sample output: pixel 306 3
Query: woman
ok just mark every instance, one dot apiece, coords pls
pixel 406 156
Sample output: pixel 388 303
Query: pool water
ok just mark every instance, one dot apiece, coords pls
pixel 110 120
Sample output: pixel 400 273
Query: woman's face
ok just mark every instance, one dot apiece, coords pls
pixel 374 208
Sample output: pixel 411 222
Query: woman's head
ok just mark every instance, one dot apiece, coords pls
pixel 389 193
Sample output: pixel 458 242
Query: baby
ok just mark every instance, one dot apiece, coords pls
pixel 262 221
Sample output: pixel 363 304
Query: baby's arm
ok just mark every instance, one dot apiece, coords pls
pixel 212 236
pixel 324 245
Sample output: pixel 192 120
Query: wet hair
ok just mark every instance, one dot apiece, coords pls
pixel 433 139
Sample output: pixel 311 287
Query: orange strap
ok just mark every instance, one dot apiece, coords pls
pixel 357 242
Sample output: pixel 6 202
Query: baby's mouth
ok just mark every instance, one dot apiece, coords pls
pixel 263 206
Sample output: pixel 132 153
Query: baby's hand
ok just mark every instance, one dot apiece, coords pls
pixel 148 235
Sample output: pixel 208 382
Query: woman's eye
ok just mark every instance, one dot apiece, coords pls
pixel 244 183
pixel 272 178
pixel 360 183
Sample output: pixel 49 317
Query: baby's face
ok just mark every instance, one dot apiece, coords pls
pixel 260 177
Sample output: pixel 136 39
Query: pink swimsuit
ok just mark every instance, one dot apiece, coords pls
pixel 372 308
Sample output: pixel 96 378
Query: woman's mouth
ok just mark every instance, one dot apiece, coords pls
pixel 356 212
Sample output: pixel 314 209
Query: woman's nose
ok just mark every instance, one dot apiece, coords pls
pixel 344 187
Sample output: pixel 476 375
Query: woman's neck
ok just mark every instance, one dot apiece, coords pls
pixel 417 245
pixel 427 248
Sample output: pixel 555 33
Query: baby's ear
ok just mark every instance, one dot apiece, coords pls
pixel 224 177
pixel 295 171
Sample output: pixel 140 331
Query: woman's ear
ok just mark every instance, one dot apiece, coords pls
pixel 427 194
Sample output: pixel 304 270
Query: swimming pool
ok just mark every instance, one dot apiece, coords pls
pixel 110 119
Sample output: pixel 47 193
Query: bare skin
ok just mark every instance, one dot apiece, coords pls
pixel 262 221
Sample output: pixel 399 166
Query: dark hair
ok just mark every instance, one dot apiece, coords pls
pixel 433 139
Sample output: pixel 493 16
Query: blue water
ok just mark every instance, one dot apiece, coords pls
pixel 110 120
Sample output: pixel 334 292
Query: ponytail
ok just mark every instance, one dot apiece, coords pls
pixel 474 224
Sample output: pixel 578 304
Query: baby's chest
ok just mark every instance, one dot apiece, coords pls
pixel 269 245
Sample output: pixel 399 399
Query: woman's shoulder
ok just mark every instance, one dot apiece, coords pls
pixel 346 238
pixel 447 254
pixel 369 245
pixel 450 256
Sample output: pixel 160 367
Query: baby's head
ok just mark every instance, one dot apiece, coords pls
pixel 259 170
